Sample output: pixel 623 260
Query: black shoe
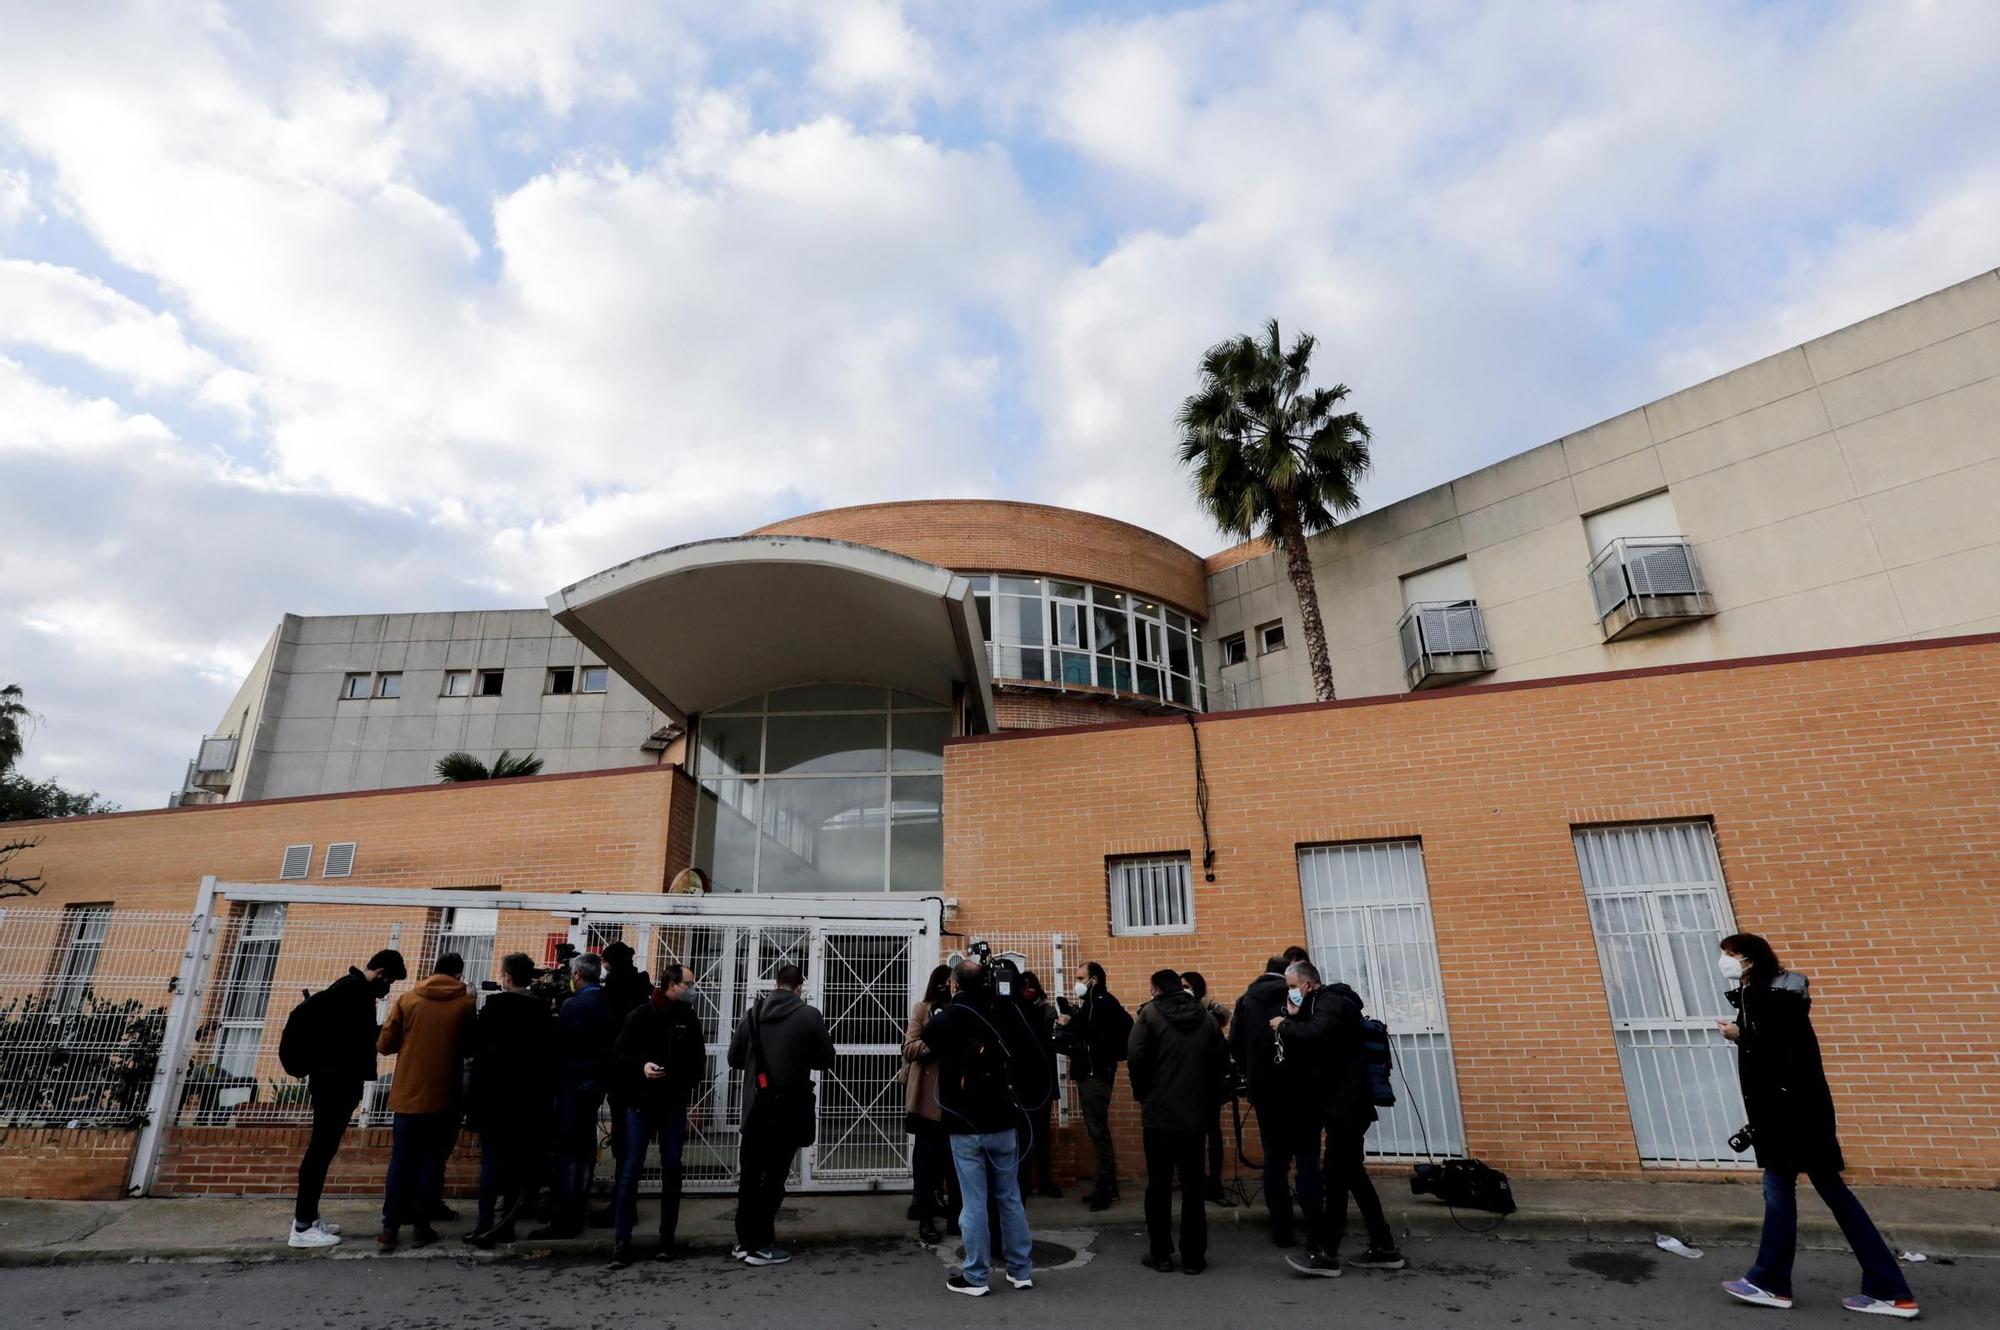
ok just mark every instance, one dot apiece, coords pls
pixel 504 1233
pixel 1193 1267
pixel 423 1236
pixel 1162 1264
pixel 621 1255
pixel 605 1218
pixel 1380 1258
pixel 1102 1202
pixel 1217 1196
pixel 927 1233
pixel 960 1284
pixel 554 1232
pixel 443 1214
pixel 1316 1263
pixel 480 1238
pixel 670 1250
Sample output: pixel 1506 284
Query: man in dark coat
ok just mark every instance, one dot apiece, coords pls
pixel 1325 1034
pixel 1254 1043
pixel 777 1047
pixel 1093 1030
pixel 340 1059
pixel 585 1032
pixel 628 989
pixel 1178 1064
pixel 508 1105
pixel 660 1061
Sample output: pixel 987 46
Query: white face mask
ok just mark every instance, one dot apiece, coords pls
pixel 1731 967
pixel 1294 996
pixel 1082 989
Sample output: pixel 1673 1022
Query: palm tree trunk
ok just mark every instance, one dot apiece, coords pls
pixel 1298 564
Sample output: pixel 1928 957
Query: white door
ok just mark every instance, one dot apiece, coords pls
pixel 1658 908
pixel 1368 925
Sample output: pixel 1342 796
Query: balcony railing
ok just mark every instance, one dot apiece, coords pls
pixel 1645 583
pixel 1443 640
pixel 213 765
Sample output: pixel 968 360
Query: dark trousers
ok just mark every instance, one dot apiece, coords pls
pixel 1174 1156
pixel 761 1165
pixel 1278 1138
pixel 933 1178
pixel 1037 1153
pixel 332 1106
pixel 1094 1096
pixel 577 1107
pixel 1347 1175
pixel 1881 1277
pixel 508 1155
pixel 620 1105
pixel 1216 1157
pixel 640 1127
pixel 418 1147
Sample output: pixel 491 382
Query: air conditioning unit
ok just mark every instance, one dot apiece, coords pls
pixel 1643 584
pixel 1443 641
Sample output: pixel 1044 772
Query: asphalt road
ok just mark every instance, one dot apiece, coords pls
pixel 1467 1283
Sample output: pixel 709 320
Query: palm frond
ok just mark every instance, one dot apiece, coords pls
pixel 461 767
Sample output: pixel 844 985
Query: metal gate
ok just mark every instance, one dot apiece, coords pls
pixel 253 950
pixel 1368 923
pixel 1658 908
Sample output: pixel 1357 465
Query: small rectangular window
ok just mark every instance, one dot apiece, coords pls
pixel 595 678
pixel 1150 894
pixel 389 685
pixel 489 682
pixel 457 683
pixel 84 927
pixel 354 686
pixel 339 860
pixel 297 861
pixel 1234 650
pixel 1270 637
pixel 562 680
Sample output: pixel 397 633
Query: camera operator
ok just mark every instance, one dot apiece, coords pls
pixel 990 1071
pixel 1093 1030
pixel 1324 1031
pixel 1253 1042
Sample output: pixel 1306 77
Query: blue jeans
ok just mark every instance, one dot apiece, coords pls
pixel 992 1159
pixel 1881 1277
pixel 638 1134
pixel 418 1146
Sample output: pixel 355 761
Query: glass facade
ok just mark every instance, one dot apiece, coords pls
pixel 1066 634
pixel 827 788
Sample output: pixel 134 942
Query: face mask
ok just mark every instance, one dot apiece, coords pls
pixel 1293 996
pixel 1082 989
pixel 1731 967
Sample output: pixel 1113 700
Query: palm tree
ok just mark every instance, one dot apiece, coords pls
pixel 464 766
pixel 1272 458
pixel 14 716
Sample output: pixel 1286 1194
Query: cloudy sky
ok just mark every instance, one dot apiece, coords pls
pixel 367 305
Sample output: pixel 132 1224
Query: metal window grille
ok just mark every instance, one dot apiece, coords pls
pixel 470 933
pixel 1368 924
pixel 1649 566
pixel 339 860
pixel 1150 895
pixel 1658 909
pixel 297 861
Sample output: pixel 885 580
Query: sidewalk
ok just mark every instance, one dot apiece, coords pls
pixel 1938 1222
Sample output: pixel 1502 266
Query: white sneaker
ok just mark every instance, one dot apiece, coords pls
pixel 1021 1281
pixel 326 1227
pixel 315 1235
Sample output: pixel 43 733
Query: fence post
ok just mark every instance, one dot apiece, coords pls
pixel 1061 978
pixel 183 1015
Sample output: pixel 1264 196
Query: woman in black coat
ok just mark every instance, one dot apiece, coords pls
pixel 1792 1130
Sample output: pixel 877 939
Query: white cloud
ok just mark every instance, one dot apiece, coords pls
pixel 71 313
pixel 38 417
pixel 17 198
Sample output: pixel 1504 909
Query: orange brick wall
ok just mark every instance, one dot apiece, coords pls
pixel 73 1165
pixel 1029 709
pixel 992 535
pixel 1855 799
pixel 264 1161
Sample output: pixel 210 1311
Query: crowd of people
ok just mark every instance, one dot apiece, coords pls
pixel 981 1054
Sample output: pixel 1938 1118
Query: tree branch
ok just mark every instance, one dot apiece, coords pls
pixel 13 884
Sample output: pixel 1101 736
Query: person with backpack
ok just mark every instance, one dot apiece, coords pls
pixel 1093 1030
pixel 1792 1129
pixel 428 1033
pixel 329 1039
pixel 1178 1066
pixel 990 1076
pixel 1324 1031
pixel 661 1059
pixel 1253 1044
pixel 777 1047
pixel 512 1040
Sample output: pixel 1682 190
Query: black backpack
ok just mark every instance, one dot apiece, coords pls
pixel 301 1042
pixel 1380 1060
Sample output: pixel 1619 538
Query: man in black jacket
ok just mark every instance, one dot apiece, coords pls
pixel 1178 1064
pixel 1093 1031
pixel 1253 1041
pixel 341 1060
pixel 628 989
pixel 777 1047
pixel 512 1041
pixel 660 1061
pixel 991 1078
pixel 1324 1035
pixel 585 1032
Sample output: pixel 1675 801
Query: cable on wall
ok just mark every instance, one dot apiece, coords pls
pixel 1201 800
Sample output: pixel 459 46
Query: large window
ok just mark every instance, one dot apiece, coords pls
pixel 247 998
pixel 1075 634
pixel 828 788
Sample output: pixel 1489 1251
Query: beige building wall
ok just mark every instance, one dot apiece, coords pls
pixel 1840 493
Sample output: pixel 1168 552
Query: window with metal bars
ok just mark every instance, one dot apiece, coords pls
pixel 1150 894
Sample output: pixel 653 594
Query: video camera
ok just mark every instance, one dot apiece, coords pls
pixel 1003 971
pixel 552 985
pixel 1466 1183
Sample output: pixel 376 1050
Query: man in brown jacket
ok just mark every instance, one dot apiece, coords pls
pixel 427 1031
